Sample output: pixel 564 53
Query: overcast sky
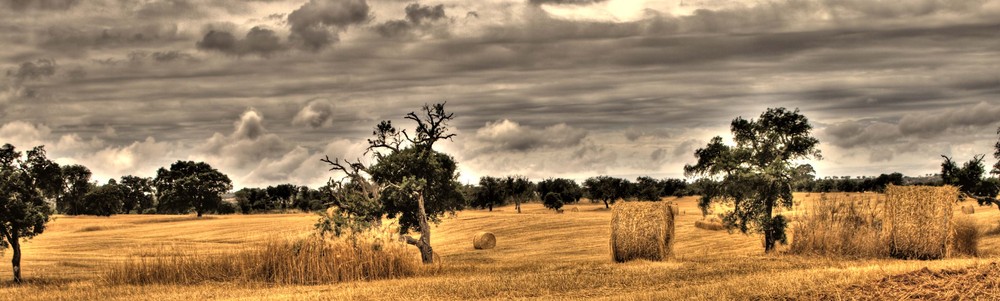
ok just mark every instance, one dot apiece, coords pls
pixel 544 88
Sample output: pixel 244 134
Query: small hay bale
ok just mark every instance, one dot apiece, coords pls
pixel 918 220
pixel 574 209
pixel 712 224
pixel 641 230
pixel 484 241
pixel 969 209
pixel 965 237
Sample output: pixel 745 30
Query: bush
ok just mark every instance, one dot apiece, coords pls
pixel 228 208
pixel 553 201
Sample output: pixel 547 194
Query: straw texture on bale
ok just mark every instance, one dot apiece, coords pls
pixel 712 224
pixel 965 238
pixel 484 241
pixel 969 209
pixel 641 230
pixel 918 220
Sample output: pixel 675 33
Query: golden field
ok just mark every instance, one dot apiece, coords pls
pixel 539 254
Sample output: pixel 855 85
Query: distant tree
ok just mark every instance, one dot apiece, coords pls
pixel 674 187
pixel 76 185
pixel 647 189
pixel 104 200
pixel 489 193
pixel 607 189
pixel 188 185
pixel 307 199
pixel 969 179
pixel 996 155
pixel 756 174
pixel 24 184
pixel 138 194
pixel 281 195
pixel 553 200
pixel 519 190
pixel 567 190
pixel 411 182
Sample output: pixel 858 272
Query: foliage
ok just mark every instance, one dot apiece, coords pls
pixel 104 200
pixel 24 183
pixel 489 193
pixel 969 178
pixel 607 189
pixel 757 173
pixel 76 184
pixel 553 200
pixel 519 190
pixel 567 190
pixel 188 185
pixel 410 182
pixel 138 194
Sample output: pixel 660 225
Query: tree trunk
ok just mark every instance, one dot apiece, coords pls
pixel 426 252
pixel 16 260
pixel 517 205
pixel 769 235
pixel 199 213
pixel 491 207
pixel 606 206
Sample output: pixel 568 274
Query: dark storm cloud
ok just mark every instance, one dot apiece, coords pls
pixel 259 41
pixel 39 4
pixel 75 38
pixel 318 22
pixel 33 70
pixel 168 8
pixel 509 136
pixel 418 18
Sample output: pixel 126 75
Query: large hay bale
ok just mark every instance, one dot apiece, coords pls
pixel 918 220
pixel 969 209
pixel 641 230
pixel 484 241
pixel 712 224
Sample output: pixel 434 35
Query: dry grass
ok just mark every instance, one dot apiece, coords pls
pixel 711 224
pixel 642 230
pixel 543 255
pixel 840 225
pixel 484 241
pixel 302 261
pixel 918 220
pixel 965 237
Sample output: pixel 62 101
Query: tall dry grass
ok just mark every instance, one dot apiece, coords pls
pixel 303 261
pixel 965 237
pixel 840 225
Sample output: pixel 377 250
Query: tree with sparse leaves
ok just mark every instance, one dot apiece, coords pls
pixel 757 173
pixel 489 193
pixel 607 189
pixel 24 185
pixel 409 181
pixel 519 190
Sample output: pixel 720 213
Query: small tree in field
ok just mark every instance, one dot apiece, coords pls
pixel 138 194
pixel 76 185
pixel 553 200
pixel 606 189
pixel 567 190
pixel 518 189
pixel 756 174
pixel 409 181
pixel 190 186
pixel 24 184
pixel 490 193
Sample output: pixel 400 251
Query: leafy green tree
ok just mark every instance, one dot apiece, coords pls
pixel 490 192
pixel 553 200
pixel 24 184
pixel 567 190
pixel 104 200
pixel 969 179
pixel 647 189
pixel 607 189
pixel 281 195
pixel 190 186
pixel 757 173
pixel 138 194
pixel 413 183
pixel 76 185
pixel 519 190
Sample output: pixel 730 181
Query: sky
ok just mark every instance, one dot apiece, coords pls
pixel 263 89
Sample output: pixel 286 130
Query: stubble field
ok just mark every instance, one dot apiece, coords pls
pixel 539 254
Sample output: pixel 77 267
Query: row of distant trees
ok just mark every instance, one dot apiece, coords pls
pixel 554 193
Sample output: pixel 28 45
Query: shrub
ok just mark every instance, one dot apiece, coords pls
pixel 553 201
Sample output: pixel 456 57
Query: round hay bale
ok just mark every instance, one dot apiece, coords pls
pixel 575 209
pixel 641 230
pixel 969 209
pixel 484 241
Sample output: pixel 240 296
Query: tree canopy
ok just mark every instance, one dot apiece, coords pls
pixel 24 185
pixel 756 174
pixel 188 186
